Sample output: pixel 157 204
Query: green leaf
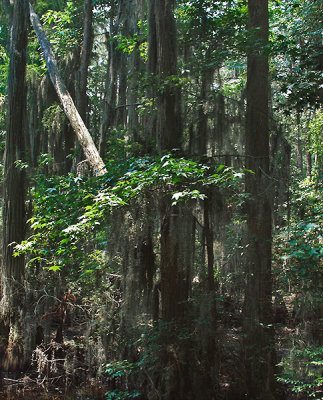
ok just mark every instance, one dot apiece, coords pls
pixel 55 268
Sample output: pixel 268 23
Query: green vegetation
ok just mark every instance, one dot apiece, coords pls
pixel 135 284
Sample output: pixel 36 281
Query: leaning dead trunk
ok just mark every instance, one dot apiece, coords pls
pixel 83 135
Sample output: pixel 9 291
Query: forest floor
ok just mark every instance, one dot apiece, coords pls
pixel 26 388
pixel 63 371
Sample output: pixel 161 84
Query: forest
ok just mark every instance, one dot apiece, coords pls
pixel 161 189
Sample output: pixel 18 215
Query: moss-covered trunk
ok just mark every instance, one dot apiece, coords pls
pixel 13 293
pixel 259 335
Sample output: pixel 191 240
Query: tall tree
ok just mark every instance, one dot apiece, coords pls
pixel 259 339
pixel 169 115
pixel 12 302
pixel 81 96
pixel 174 284
pixel 109 106
pixel 176 221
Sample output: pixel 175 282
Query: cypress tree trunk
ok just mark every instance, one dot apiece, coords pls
pixel 176 234
pixel 151 121
pixel 13 293
pixel 122 92
pixel 81 96
pixel 206 80
pixel 308 159
pixel 109 107
pixel 174 289
pixel 202 120
pixel 134 13
pixel 169 123
pixel 259 335
pixel 176 221
pixel 299 152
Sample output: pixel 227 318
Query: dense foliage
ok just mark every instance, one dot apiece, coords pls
pixel 137 278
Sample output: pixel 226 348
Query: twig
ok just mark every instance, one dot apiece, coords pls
pixel 13 380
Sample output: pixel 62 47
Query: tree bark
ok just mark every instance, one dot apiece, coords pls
pixel 299 153
pixel 14 216
pixel 174 281
pixel 150 122
pixel 81 98
pixel 66 100
pixel 169 123
pixel 176 261
pixel 122 92
pixel 86 51
pixel 175 272
pixel 109 107
pixel 176 221
pixel 259 335
pixel 136 133
pixel 308 159
pixel 202 125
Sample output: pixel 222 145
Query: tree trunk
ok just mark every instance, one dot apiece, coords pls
pixel 176 263
pixel 71 112
pixel 176 221
pixel 174 282
pixel 308 159
pixel 175 271
pixel 208 309
pixel 81 96
pixel 109 107
pixel 150 122
pixel 134 66
pixel 259 335
pixel 169 123
pixel 13 293
pixel 202 125
pixel 299 153
pixel 122 92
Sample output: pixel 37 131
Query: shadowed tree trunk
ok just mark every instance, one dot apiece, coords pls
pixel 13 293
pixel 169 124
pixel 299 152
pixel 259 335
pixel 81 98
pixel 206 80
pixel 176 221
pixel 308 159
pixel 174 289
pixel 202 125
pixel 134 67
pixel 109 106
pixel 176 234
